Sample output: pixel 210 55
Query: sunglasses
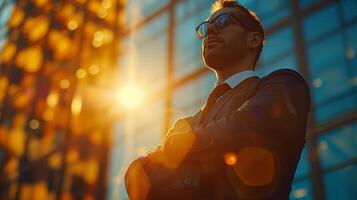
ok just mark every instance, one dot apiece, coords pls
pixel 221 22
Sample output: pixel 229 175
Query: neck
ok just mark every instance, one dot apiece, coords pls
pixel 226 72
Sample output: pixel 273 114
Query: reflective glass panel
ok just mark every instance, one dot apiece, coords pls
pixel 137 10
pixel 190 97
pixel 306 3
pixel 303 167
pixel 144 55
pixel 351 53
pixel 187 46
pixel 117 167
pixel 328 68
pixel 6 10
pixel 341 184
pixel 331 77
pixel 349 8
pixel 338 146
pixel 269 13
pixel 285 62
pixel 336 108
pixel 273 48
pixel 136 134
pixel 3 32
pixel 321 22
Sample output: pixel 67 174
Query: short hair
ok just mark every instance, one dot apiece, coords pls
pixel 233 4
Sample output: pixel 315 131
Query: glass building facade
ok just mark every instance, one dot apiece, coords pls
pixel 315 37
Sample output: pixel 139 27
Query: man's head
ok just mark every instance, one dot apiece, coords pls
pixel 231 34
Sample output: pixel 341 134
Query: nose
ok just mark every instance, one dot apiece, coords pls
pixel 212 29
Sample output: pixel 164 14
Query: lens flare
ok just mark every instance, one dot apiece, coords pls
pixel 230 158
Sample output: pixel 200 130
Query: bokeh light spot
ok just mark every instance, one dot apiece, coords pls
pixel 230 158
pixel 81 73
pixel 64 84
pixel 72 25
pixel 300 193
pixel 34 124
pixel 256 166
pixel 48 115
pixel 93 69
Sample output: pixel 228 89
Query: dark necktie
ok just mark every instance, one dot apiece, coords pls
pixel 216 93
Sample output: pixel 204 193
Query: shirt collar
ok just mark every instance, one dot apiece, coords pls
pixel 237 78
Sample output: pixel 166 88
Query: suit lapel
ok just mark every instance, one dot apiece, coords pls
pixel 238 93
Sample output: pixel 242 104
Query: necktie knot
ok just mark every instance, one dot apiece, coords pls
pixel 216 93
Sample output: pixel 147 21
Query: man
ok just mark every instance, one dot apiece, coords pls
pixel 247 140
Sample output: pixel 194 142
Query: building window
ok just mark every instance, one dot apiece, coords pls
pixel 338 146
pixel 341 184
pixel 190 97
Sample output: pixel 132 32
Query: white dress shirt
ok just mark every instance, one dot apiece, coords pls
pixel 237 78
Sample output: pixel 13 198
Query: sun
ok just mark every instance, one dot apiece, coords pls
pixel 131 96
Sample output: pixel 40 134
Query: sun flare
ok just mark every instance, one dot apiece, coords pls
pixel 131 96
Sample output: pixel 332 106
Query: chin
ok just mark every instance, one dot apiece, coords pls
pixel 215 59
pixel 220 58
pixel 211 57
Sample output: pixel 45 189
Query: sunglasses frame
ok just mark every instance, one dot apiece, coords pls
pixel 200 36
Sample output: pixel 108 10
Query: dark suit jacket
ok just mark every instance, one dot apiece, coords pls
pixel 259 115
pixel 273 118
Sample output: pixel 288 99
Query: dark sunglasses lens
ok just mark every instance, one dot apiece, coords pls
pixel 202 30
pixel 223 20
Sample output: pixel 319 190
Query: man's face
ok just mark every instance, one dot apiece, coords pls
pixel 224 47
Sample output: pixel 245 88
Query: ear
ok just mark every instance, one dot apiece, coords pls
pixel 254 39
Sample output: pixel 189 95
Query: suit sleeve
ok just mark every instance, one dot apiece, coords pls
pixel 263 133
